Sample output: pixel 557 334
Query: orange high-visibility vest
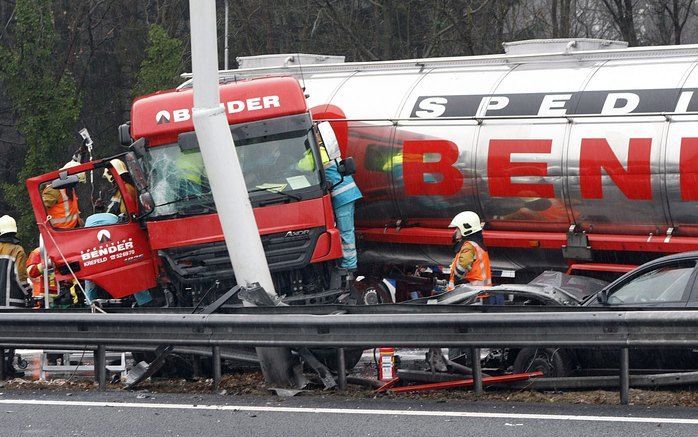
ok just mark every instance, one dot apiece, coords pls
pixel 35 270
pixel 479 273
pixel 65 213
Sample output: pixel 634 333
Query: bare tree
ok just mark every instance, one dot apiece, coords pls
pixel 561 13
pixel 623 15
pixel 670 17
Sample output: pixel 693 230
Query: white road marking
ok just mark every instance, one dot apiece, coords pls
pixel 253 408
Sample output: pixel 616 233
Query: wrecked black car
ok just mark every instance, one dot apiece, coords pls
pixel 666 282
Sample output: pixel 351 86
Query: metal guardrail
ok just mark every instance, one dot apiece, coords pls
pixel 594 329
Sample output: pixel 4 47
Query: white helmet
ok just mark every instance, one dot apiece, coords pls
pixel 119 166
pixel 70 164
pixel 7 225
pixel 467 222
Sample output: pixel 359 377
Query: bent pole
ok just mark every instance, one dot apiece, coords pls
pixel 225 176
pixel 219 156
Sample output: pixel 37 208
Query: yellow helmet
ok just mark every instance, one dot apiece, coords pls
pixel 70 164
pixel 119 166
pixel 7 225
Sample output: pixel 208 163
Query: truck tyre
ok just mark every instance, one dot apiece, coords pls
pixel 553 362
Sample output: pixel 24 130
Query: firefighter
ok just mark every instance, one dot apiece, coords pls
pixel 472 262
pixel 14 290
pixel 344 195
pixel 117 206
pixel 35 272
pixel 62 204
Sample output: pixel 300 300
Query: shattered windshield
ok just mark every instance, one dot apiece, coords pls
pixel 275 165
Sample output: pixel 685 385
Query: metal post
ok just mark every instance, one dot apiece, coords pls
pixel 624 376
pixel 225 38
pixel 225 176
pixel 101 366
pixel 216 367
pixel 2 361
pixel 44 261
pixel 477 370
pixel 341 369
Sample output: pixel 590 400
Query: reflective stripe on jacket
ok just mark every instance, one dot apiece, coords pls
pixel 13 275
pixel 347 191
pixel 63 209
pixel 478 271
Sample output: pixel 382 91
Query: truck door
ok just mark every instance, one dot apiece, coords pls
pixel 115 253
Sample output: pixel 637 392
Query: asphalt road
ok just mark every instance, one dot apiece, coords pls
pixel 57 413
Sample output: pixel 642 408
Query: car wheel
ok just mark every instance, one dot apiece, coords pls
pixel 552 362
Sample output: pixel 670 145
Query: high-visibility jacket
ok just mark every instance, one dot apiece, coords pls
pixel 35 272
pixel 116 203
pixel 62 208
pixel 13 273
pixel 346 191
pixel 472 264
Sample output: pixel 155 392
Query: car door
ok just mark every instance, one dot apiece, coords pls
pixel 117 257
pixel 665 284
pixel 662 285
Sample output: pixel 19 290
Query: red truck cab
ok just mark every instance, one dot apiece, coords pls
pixel 174 238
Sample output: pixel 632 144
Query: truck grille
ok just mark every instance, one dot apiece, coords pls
pixel 284 251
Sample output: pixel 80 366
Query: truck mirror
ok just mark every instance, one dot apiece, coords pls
pixel 125 134
pixel 329 139
pixel 347 167
pixel 147 203
pixel 65 181
pixel 188 141
pixel 134 168
pixel 138 147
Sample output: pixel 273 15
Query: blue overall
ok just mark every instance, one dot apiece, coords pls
pixel 343 197
pixel 106 219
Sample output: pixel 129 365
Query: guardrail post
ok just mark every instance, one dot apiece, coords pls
pixel 216 363
pixel 341 369
pixel 2 361
pixel 477 370
pixel 624 376
pixel 100 365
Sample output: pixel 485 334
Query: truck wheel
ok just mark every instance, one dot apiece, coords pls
pixel 551 361
pixel 370 292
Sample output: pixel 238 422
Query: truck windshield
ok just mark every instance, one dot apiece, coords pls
pixel 275 166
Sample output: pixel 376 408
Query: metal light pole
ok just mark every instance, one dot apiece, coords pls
pixel 225 176
pixel 225 38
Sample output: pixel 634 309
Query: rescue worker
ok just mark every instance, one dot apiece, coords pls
pixel 116 205
pixel 35 272
pixel 14 290
pixel 472 262
pixel 62 204
pixel 344 195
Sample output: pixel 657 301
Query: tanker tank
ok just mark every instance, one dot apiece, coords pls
pixel 585 149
